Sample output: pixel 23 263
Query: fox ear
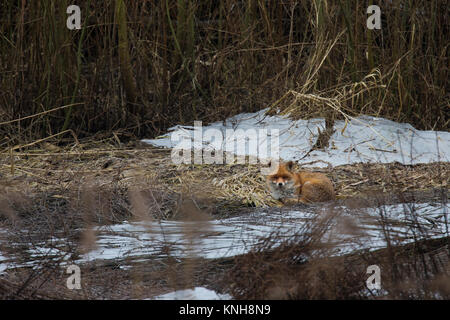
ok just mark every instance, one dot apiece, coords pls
pixel 290 165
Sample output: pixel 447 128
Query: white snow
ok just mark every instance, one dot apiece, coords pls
pixel 36 253
pixel 238 235
pixel 198 293
pixel 365 139
pixel 3 263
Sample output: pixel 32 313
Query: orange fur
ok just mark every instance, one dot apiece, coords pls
pixel 303 186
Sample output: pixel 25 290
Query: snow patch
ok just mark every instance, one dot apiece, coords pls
pixel 363 139
pixel 238 235
pixel 198 293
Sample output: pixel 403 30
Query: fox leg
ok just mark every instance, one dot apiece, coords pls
pixel 296 200
pixel 290 201
pixel 304 194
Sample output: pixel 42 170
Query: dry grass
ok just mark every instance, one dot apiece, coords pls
pixel 202 60
pixel 64 192
pixel 143 66
pixel 304 267
pixel 108 166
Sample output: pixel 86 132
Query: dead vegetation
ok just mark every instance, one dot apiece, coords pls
pixel 144 66
pixel 414 274
pixel 113 170
pixel 206 60
pixel 305 267
pixel 65 194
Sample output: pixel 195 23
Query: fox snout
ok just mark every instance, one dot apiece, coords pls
pixel 279 182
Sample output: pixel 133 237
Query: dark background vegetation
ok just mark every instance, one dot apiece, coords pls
pixel 138 67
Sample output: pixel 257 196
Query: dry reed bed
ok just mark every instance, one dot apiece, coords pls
pixel 107 165
pixel 191 60
pixel 77 174
pixel 420 270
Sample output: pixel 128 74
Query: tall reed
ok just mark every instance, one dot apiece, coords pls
pixel 142 66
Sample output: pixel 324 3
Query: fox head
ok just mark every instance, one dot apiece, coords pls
pixel 282 176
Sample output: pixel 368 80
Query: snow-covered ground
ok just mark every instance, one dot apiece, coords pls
pixel 198 293
pixel 362 139
pixel 3 263
pixel 354 229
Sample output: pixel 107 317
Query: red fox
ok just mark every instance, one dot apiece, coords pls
pixel 305 187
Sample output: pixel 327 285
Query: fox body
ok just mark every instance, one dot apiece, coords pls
pixel 303 186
